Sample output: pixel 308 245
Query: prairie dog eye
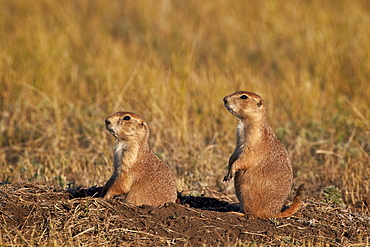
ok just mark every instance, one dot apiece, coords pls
pixel 244 97
pixel 127 118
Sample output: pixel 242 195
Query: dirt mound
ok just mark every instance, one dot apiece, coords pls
pixel 39 215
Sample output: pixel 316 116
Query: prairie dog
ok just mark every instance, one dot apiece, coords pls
pixel 261 163
pixel 138 174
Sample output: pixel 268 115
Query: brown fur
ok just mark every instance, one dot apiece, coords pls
pixel 262 166
pixel 138 174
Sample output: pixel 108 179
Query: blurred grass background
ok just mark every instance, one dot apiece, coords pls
pixel 66 65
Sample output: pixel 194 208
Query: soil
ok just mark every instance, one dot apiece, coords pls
pixel 34 214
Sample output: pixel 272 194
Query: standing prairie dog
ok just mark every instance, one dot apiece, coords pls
pixel 262 166
pixel 138 174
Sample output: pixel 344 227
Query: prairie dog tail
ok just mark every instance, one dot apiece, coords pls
pixel 297 203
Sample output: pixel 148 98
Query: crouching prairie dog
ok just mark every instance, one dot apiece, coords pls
pixel 139 175
pixel 262 166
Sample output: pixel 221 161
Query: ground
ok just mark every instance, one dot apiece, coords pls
pixel 39 215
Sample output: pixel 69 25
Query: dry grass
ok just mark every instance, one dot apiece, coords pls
pixel 66 65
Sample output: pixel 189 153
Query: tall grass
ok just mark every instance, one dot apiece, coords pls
pixel 66 65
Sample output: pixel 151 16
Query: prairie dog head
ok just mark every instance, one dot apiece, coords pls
pixel 127 126
pixel 245 105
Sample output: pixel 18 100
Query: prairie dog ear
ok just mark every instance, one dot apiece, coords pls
pixel 141 124
pixel 259 103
